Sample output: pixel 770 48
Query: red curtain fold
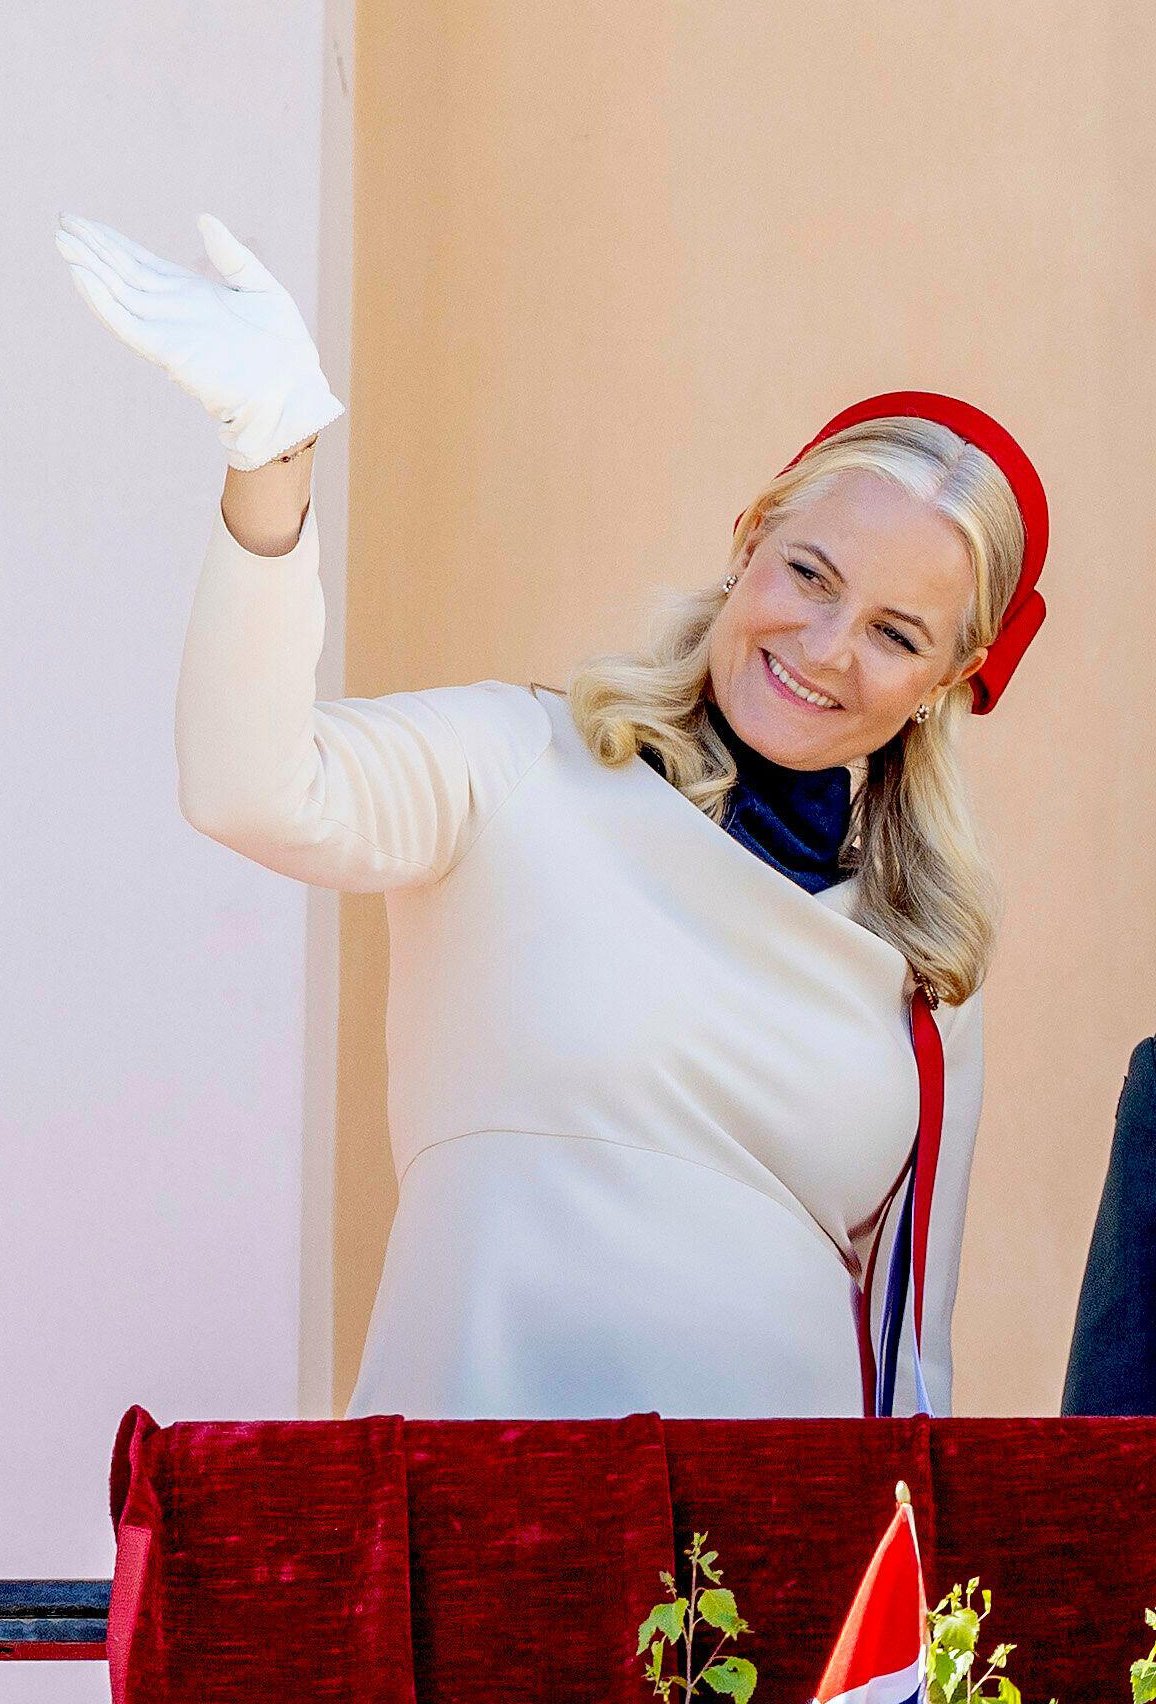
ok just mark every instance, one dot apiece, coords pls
pixel 302 1560
pixel 536 1550
pixel 450 1562
pixel 279 1564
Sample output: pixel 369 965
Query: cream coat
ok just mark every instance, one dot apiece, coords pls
pixel 646 1094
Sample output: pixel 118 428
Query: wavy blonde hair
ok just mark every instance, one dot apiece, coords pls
pixel 925 881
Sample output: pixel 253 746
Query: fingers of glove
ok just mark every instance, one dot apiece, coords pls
pixel 135 332
pixel 146 301
pixel 110 243
pixel 237 264
pixel 110 261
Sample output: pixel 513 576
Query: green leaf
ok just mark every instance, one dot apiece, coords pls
pixel 664 1618
pixel 958 1631
pixel 734 1676
pixel 1150 1617
pixel 1008 1694
pixel 718 1607
pixel 1143 1681
pixel 941 1668
pixel 946 1670
pixel 963 1663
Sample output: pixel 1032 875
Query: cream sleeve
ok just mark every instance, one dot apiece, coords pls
pixel 358 794
pixel 962 1031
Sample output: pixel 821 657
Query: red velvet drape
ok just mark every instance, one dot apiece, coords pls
pixel 455 1562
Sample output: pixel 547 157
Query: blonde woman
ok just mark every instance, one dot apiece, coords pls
pixel 653 937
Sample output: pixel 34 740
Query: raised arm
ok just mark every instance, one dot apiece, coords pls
pixel 265 508
pixel 359 794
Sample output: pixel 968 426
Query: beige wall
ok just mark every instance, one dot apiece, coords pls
pixel 612 267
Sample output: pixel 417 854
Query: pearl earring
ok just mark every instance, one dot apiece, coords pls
pixel 922 713
pixel 731 580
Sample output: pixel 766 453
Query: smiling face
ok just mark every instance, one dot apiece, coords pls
pixel 873 626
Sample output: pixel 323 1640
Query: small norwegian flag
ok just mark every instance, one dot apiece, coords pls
pixel 879 1657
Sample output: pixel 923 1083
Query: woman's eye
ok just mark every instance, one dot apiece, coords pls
pixel 900 638
pixel 801 568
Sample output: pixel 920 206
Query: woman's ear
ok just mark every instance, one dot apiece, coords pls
pixel 978 658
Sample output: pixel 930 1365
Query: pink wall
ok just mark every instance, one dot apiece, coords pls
pixel 159 1124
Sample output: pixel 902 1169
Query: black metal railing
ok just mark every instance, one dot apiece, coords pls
pixel 54 1619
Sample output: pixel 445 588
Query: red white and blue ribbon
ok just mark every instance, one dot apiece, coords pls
pixel 907 1267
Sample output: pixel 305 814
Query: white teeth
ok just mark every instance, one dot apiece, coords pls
pixel 799 691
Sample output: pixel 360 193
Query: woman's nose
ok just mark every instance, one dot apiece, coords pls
pixel 826 645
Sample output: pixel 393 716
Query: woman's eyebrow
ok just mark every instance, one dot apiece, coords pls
pixel 915 620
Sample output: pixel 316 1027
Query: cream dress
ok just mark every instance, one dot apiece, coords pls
pixel 646 1093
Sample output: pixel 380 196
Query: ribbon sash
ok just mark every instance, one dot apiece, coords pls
pixel 907 1267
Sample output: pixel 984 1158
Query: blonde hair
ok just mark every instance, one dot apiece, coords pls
pixel 925 882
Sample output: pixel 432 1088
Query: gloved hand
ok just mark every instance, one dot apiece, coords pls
pixel 240 347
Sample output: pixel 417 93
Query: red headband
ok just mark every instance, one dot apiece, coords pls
pixel 1025 612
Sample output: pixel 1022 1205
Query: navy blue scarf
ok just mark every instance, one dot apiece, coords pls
pixel 795 819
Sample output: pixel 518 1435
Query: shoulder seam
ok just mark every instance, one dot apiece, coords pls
pixel 506 797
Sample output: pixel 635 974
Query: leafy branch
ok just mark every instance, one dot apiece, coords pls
pixel 953 1654
pixel 667 1623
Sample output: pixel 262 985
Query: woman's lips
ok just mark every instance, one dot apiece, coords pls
pixel 793 697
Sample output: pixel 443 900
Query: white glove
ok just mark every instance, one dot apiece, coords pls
pixel 240 347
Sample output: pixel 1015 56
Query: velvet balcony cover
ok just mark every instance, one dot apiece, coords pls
pixel 383 1560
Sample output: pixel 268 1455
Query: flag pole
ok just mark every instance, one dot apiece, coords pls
pixel 904 1507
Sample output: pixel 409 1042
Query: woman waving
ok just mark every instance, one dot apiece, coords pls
pixel 661 940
